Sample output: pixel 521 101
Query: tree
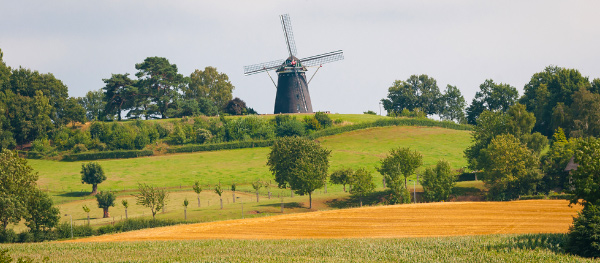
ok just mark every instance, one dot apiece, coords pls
pixel 491 97
pixel 585 115
pixel 584 234
pixel 341 176
pixel 400 163
pixel 438 182
pixel 418 91
pixel 452 105
pixel 87 210
pixel 257 186
pixel 17 181
pixel 210 84
pixel 119 93
pixel 546 90
pixel 160 80
pixel 92 173
pixel 185 205
pixel 105 200
pixel 362 184
pixel 510 169
pixel 125 204
pixel 74 112
pixel 586 189
pixel 554 162
pixel 219 191
pixel 197 189
pixel 151 197
pixel 299 163
pixel 236 107
pixel 93 103
pixel 41 214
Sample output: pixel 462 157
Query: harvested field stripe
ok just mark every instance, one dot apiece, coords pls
pixel 414 220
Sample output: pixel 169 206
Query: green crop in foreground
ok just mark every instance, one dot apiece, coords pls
pixel 493 248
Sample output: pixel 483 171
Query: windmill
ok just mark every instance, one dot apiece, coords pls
pixel 292 87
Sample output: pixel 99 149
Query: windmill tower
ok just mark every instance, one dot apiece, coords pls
pixel 292 87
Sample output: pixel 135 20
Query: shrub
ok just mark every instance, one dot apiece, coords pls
pixel 584 234
pixel 88 156
pixel 78 148
pixel 8 236
pixel 323 119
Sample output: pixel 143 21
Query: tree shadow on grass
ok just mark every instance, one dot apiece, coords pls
pixel 75 194
pixel 285 205
pixel 374 198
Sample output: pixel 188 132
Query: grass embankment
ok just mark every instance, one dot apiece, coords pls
pixel 492 248
pixel 362 148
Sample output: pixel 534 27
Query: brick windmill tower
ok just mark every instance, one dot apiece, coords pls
pixel 292 87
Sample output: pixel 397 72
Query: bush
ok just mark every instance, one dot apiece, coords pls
pixel 107 155
pixel 8 236
pixel 220 146
pixel 584 234
pixel 323 119
pixel 78 148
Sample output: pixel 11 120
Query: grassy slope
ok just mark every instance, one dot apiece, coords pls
pixel 494 248
pixel 362 148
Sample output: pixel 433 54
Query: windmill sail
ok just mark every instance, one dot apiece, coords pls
pixel 286 24
pixel 322 59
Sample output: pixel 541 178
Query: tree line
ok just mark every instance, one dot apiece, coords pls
pixel 36 106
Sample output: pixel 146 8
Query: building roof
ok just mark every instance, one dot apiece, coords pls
pixel 571 166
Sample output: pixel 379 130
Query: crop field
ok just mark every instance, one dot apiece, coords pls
pixel 413 220
pixel 434 232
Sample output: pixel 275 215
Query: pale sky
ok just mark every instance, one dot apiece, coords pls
pixel 461 43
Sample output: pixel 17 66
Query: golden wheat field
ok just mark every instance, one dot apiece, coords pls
pixel 412 220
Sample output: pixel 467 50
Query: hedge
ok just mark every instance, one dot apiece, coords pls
pixel 119 154
pixel 220 146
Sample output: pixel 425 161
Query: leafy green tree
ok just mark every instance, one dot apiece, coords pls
pixel 160 79
pixel 17 181
pixel 361 184
pixel 92 173
pixel 4 71
pixel 399 164
pixel 211 84
pixel 510 169
pixel 586 189
pixel 93 103
pixel 438 182
pixel 554 162
pixel 236 106
pixel 546 90
pixel 87 210
pixel 585 114
pixel 105 200
pixel 233 187
pixel 491 97
pixel 219 191
pixel 185 205
pixel 41 214
pixel 418 91
pixel 119 93
pixel 151 197
pixel 452 105
pixel 197 189
pixel 323 119
pixel 300 164
pixel 584 234
pixel 74 112
pixel 341 176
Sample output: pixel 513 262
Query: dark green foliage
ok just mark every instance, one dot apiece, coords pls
pixel 555 161
pixel 341 176
pixel 236 106
pixel 323 119
pixel 17 182
pixel 41 215
pixel 219 146
pixel 92 173
pixel 300 164
pixel 491 97
pixel 586 189
pixel 452 105
pixel 584 234
pixel 159 79
pixel 290 127
pixel 119 94
pixel 361 184
pixel 74 112
pixel 120 154
pixel 416 92
pixel 510 169
pixel 396 168
pixel 211 85
pixel 105 200
pixel 438 182
pixel 370 112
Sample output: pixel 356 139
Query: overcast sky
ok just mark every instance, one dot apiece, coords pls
pixel 461 43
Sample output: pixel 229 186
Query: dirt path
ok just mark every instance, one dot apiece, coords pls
pixel 415 220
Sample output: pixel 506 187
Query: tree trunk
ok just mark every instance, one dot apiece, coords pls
pixel 106 215
pixel 88 216
pixel 360 201
pixel 310 200
pixel 405 183
pixel 383 180
pixel 269 194
pixel 282 205
pixel 221 203
pixel 292 193
pixel 325 187
pixel 234 197
pixel 344 188
pixel 94 189
pixel 126 213
pixel 257 196
pixel 185 214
